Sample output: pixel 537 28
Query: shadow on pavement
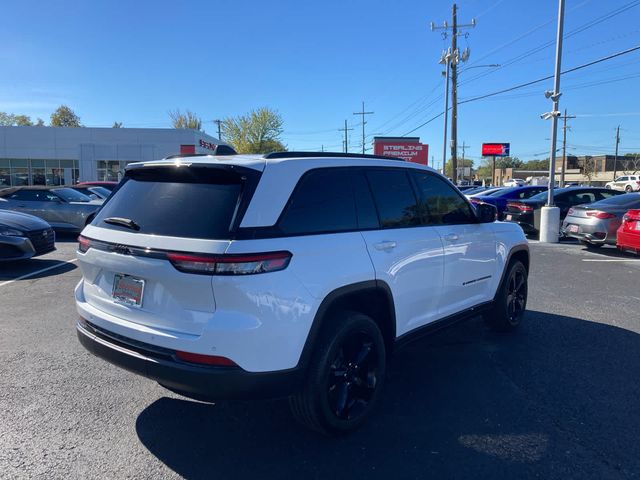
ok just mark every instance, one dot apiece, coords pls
pixel 612 252
pixel 464 403
pixel 14 270
pixel 66 237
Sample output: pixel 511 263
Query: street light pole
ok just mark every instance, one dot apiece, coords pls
pixel 550 215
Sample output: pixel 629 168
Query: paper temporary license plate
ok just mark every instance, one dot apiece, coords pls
pixel 573 228
pixel 637 225
pixel 508 217
pixel 128 290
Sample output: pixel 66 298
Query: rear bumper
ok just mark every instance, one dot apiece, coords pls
pixel 628 242
pixel 194 381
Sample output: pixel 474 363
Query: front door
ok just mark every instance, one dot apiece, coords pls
pixel 469 246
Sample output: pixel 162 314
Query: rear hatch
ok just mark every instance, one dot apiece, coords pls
pixel 155 212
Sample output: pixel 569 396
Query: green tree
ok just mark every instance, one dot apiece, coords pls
pixel 10 119
pixel 116 125
pixel 259 131
pixel 537 164
pixel 64 117
pixel 39 123
pixel 187 119
pixel 448 167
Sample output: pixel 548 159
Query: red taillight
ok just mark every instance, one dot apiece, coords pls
pixel 230 264
pixel 205 359
pixel 521 206
pixel 599 214
pixel 83 244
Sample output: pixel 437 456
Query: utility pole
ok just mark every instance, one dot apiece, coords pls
pixel 564 145
pixel 363 113
pixel 453 57
pixel 464 147
pixel 550 214
pixel 346 138
pixel 615 160
pixel 219 122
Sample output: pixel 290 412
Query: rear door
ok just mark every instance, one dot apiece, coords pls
pixel 185 210
pixel 407 254
pixel 469 246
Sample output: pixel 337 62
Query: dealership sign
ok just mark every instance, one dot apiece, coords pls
pixel 208 145
pixel 410 151
pixel 495 149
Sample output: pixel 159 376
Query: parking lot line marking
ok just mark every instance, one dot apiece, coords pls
pixel 31 274
pixel 610 260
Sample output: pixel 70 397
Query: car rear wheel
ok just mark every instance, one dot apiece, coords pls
pixel 628 189
pixel 608 187
pixel 345 376
pixel 590 244
pixel 511 300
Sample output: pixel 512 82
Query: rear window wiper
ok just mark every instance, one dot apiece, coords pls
pixel 123 222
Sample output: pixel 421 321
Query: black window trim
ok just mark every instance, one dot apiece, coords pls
pixel 273 231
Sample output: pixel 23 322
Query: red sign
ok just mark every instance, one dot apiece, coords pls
pixel 208 145
pixel 186 149
pixel 410 151
pixel 495 149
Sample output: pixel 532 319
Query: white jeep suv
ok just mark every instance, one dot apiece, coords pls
pixel 626 183
pixel 289 274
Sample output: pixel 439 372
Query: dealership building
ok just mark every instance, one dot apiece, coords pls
pixel 63 156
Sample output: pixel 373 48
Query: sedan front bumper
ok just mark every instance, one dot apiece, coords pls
pixel 15 248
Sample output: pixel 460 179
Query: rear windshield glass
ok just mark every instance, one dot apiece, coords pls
pixel 71 195
pixel 629 200
pixel 177 202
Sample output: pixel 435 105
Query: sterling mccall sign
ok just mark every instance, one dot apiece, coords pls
pixel 410 150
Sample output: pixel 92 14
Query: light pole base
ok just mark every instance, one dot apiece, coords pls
pixel 550 224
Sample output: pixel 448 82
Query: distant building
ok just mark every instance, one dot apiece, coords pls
pixel 588 169
pixel 59 155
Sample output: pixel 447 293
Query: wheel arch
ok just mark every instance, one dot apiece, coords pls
pixel 517 253
pixel 372 297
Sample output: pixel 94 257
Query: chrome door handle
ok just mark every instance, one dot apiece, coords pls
pixel 386 245
pixel 451 237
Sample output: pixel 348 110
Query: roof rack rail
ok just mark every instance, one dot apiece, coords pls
pixel 276 155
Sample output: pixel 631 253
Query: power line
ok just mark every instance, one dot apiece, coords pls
pixel 533 82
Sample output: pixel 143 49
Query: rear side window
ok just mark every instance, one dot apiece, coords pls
pixel 187 202
pixel 26 195
pixel 321 202
pixel 443 204
pixel 394 197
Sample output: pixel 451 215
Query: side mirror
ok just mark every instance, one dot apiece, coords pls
pixel 486 213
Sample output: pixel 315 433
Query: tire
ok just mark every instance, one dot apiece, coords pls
pixel 345 377
pixel 628 189
pixel 508 309
pixel 608 187
pixel 590 245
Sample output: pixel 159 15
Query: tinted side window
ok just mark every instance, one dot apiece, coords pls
pixel 444 205
pixel 530 192
pixel 578 198
pixel 322 202
pixel 26 195
pixel 394 197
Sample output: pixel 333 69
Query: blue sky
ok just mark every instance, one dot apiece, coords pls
pixel 315 62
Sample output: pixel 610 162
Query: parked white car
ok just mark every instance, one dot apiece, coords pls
pixel 290 274
pixel 625 183
pixel 514 182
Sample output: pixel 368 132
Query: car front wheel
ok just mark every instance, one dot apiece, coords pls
pixel 511 300
pixel 345 376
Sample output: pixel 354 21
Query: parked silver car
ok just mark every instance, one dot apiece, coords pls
pixel 596 224
pixel 62 207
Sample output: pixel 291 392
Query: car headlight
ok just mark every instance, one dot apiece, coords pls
pixel 10 232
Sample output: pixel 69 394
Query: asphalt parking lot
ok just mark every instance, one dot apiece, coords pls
pixel 558 399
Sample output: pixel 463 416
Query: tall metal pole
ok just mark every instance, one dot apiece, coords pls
pixel 556 100
pixel 346 138
pixel 446 117
pixel 615 160
pixel 564 147
pixel 454 95
pixel 219 131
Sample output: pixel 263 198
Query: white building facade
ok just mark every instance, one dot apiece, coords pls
pixel 64 156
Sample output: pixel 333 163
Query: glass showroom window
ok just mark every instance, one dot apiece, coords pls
pixel 38 172
pixel 5 172
pixel 108 170
pixel 54 174
pixel 19 172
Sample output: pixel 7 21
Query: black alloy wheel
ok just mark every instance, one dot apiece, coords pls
pixel 510 301
pixel 516 295
pixel 353 377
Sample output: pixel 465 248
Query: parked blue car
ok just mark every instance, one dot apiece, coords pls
pixel 500 198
